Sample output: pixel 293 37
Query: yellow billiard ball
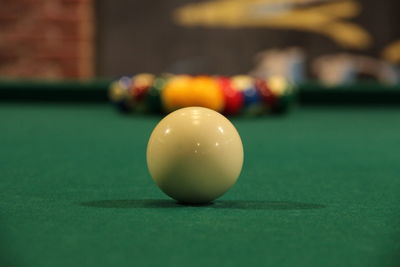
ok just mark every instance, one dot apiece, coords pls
pixel 206 92
pixel 195 155
pixel 176 92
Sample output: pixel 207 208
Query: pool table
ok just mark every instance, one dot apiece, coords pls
pixel 319 187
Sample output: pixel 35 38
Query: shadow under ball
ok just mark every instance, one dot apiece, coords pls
pixel 195 155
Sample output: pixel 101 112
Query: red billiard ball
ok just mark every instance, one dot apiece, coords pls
pixel 266 93
pixel 234 99
pixel 139 88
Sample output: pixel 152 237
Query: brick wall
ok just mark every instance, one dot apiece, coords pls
pixel 46 38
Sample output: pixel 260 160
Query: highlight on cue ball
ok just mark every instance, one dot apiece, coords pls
pixel 195 155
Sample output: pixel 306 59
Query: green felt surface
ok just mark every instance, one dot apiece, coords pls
pixel 319 187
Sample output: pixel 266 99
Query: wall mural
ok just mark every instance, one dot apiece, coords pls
pixel 325 17
pixel 328 18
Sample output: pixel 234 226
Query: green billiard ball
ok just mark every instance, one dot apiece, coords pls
pixel 153 98
pixel 283 90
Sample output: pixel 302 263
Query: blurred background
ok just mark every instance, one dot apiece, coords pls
pixel 335 41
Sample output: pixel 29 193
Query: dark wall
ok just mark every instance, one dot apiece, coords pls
pixel 140 36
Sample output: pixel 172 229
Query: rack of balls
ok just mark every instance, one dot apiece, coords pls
pixel 236 95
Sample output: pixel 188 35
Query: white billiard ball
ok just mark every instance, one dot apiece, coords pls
pixel 194 155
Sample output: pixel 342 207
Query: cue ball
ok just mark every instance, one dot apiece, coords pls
pixel 194 155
